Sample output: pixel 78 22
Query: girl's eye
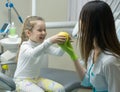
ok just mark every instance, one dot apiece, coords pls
pixel 41 30
pixel 45 30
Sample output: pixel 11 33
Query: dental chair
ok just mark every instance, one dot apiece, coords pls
pixel 6 83
pixel 69 79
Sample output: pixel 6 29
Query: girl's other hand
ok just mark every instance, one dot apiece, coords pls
pixel 59 39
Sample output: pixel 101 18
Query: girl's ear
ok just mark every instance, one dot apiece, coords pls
pixel 28 33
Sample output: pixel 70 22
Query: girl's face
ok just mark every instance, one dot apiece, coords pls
pixel 38 32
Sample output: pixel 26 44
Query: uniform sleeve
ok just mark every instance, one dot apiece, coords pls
pixel 86 81
pixel 111 70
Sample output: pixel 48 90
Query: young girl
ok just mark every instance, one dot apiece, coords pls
pixel 32 55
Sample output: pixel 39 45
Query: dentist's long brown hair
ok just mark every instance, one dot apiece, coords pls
pixel 96 21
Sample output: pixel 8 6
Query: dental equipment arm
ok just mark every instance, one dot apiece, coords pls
pixel 10 5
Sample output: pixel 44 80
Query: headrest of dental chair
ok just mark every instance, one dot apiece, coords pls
pixel 6 83
pixel 75 31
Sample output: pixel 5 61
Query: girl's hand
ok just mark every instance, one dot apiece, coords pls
pixel 59 39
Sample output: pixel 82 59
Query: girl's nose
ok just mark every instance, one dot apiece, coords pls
pixel 43 32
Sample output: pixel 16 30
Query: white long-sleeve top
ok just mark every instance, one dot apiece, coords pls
pixel 32 57
pixel 104 75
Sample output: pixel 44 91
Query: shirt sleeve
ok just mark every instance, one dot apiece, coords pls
pixel 36 51
pixel 111 70
pixel 55 51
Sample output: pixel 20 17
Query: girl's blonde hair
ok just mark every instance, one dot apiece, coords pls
pixel 28 25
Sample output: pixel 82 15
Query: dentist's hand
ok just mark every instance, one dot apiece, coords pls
pixel 66 46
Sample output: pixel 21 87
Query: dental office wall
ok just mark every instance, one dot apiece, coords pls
pixel 51 11
pixel 60 10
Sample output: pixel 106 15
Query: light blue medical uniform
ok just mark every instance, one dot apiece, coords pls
pixel 104 75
